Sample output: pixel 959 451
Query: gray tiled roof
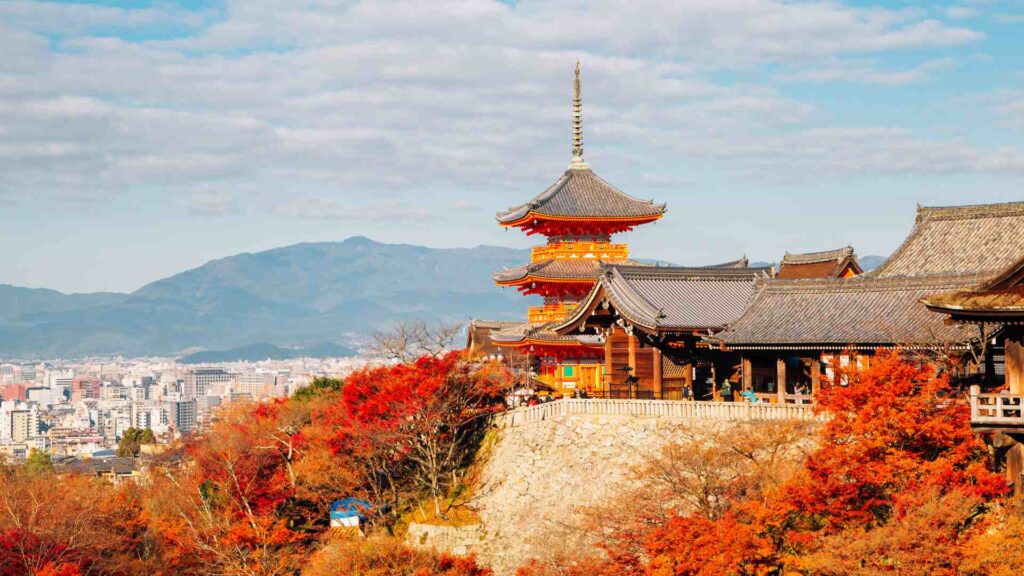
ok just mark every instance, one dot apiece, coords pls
pixel 815 257
pixel 673 298
pixel 581 193
pixel 582 268
pixel 839 312
pixel 979 239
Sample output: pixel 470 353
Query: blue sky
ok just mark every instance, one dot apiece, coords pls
pixel 138 139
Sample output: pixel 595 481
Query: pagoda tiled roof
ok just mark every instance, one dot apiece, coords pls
pixel 827 264
pixel 859 312
pixel 672 298
pixel 582 269
pixel 541 333
pixel 977 239
pixel 580 193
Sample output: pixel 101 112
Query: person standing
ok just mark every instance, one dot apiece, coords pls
pixel 726 391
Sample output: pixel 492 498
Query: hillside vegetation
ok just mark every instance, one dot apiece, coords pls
pixel 895 483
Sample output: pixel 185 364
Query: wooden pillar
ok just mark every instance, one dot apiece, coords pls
pixel 1014 355
pixel 780 376
pixel 747 373
pixel 657 373
pixel 990 365
pixel 815 376
pixel 608 374
pixel 632 366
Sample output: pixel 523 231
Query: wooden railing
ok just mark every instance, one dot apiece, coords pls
pixel 565 250
pixel 683 410
pixel 550 312
pixel 996 409
pixel 773 398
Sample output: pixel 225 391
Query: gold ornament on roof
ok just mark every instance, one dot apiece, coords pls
pixel 577 124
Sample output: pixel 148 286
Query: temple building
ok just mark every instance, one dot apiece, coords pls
pixel 578 215
pixel 841 263
pixel 653 320
pixel 794 328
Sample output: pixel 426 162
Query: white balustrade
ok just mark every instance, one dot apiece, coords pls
pixel 996 409
pixel 676 409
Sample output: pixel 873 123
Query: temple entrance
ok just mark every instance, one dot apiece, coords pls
pixel 703 383
pixel 591 377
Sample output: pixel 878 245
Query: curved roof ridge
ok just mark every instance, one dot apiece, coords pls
pixel 868 283
pixel 688 272
pixel 970 210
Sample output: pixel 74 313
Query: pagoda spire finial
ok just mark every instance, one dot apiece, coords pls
pixel 577 124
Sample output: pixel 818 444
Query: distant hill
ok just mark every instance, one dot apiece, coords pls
pixel 291 296
pixel 868 263
pixel 15 301
pixel 264 351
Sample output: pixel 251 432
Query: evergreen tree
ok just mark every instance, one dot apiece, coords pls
pixel 38 462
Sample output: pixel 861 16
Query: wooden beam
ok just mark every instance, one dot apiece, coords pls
pixel 780 385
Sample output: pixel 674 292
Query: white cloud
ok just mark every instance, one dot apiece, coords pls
pixel 396 98
pixel 960 12
pixel 868 73
pixel 871 151
pixel 324 208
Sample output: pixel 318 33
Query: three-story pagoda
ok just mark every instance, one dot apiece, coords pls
pixel 578 215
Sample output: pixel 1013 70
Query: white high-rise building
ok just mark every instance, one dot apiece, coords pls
pixel 198 380
pixel 181 413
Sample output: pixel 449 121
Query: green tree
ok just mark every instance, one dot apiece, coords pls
pixel 320 386
pixel 38 462
pixel 131 441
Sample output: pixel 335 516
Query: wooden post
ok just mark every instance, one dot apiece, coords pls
pixel 747 373
pixel 990 365
pixel 1014 355
pixel 632 366
pixel 657 373
pixel 815 376
pixel 608 374
pixel 780 375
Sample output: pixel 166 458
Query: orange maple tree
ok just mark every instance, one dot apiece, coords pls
pixel 896 451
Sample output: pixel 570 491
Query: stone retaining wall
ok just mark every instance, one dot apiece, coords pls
pixel 546 472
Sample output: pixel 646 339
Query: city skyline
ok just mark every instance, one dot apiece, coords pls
pixel 146 139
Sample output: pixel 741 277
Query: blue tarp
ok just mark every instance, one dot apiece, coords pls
pixel 350 507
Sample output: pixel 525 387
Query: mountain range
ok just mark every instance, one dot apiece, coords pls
pixel 312 298
pixel 304 295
